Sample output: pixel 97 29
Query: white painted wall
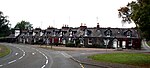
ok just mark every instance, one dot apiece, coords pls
pixel 17 32
pixel 115 43
pixel 123 44
pixel 64 41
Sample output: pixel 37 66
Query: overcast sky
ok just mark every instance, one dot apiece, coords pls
pixel 44 13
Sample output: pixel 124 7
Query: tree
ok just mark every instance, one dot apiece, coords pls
pixel 4 25
pixel 23 25
pixel 138 12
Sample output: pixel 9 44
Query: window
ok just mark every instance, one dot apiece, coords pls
pixel 71 33
pixel 130 42
pixel 123 44
pixel 81 41
pixel 54 34
pixel 85 33
pixel 90 41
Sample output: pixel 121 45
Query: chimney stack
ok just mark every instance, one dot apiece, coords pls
pixel 97 25
pixel 81 24
pixel 84 24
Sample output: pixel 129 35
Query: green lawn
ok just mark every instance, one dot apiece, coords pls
pixel 4 51
pixel 124 58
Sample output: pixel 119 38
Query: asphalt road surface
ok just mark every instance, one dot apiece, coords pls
pixel 26 56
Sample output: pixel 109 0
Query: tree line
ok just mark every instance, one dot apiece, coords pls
pixel 5 26
pixel 137 12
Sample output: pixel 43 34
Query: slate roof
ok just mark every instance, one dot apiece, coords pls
pixel 89 32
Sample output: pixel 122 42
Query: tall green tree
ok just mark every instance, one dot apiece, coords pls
pixel 23 25
pixel 4 25
pixel 138 12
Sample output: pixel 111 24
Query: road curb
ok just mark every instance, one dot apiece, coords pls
pixel 86 63
pixel 147 45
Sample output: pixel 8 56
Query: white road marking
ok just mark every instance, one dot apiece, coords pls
pixel 66 55
pixel 20 57
pixel 11 61
pixel 146 45
pixel 33 53
pixel 81 65
pixel 46 62
pixel 51 61
pixel 69 56
pixel 1 65
pixel 43 66
pixel 16 53
pixel 46 57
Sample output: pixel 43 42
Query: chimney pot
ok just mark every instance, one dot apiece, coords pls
pixel 97 25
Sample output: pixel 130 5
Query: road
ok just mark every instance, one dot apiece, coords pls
pixel 26 56
pixel 145 46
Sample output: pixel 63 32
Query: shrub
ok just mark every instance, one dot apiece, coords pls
pixel 70 45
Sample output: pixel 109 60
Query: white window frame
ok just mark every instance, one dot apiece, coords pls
pixel 89 41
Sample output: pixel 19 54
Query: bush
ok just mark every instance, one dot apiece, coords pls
pixel 79 45
pixel 57 44
pixel 95 46
pixel 70 45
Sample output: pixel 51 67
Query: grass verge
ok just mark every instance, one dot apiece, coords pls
pixel 124 58
pixel 4 51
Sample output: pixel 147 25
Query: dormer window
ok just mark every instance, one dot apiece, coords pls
pixel 129 33
pixel 108 33
pixel 60 33
pixel 85 33
pixel 71 33
pixel 54 34
pixel 17 32
pixel 48 32
pixel 33 33
pixel 41 33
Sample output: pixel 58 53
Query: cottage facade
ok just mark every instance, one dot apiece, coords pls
pixel 84 36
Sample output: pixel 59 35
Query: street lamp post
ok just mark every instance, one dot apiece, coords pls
pixel 107 42
pixel 107 33
pixel 74 40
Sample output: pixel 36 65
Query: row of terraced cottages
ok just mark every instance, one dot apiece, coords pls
pixel 87 37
